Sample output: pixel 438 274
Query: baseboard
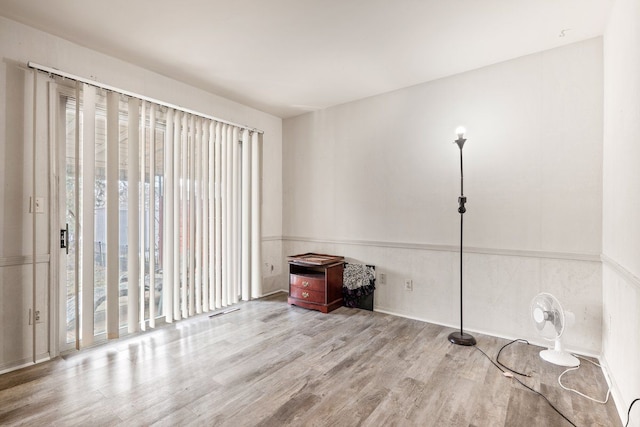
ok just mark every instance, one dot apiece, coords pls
pixel 534 341
pixel 277 291
pixel 23 363
pixel 621 405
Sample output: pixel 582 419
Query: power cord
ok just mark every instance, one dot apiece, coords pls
pixel 509 375
pixel 629 412
pixel 576 391
pixel 506 367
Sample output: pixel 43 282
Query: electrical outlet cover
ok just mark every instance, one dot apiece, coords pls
pixel 39 205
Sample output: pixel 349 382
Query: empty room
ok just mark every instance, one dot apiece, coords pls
pixel 320 213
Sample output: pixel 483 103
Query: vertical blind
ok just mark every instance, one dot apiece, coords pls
pixel 168 204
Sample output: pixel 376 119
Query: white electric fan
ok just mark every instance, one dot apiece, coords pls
pixel 550 319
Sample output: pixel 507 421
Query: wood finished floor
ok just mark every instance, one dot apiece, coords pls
pixel 270 364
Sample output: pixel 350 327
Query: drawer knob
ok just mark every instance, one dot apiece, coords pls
pixel 305 284
pixel 305 295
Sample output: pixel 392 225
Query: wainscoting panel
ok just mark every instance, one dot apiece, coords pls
pixel 620 338
pixel 16 298
pixel 498 287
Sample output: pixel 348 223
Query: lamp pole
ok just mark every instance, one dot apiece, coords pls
pixel 461 338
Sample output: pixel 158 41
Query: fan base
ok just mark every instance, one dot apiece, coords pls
pixel 561 358
pixel 460 338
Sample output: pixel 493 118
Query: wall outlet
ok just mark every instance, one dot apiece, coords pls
pixel 35 316
pixel 408 285
pixel 382 278
pixel 39 204
pixel 268 269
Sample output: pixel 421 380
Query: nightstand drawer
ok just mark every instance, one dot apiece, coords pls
pixel 308 282
pixel 307 295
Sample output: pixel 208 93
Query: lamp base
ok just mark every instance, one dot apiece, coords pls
pixel 460 338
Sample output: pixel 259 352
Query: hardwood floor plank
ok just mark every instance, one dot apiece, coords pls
pixel 491 410
pixel 394 410
pixel 271 364
pixel 181 417
pixel 288 413
pixel 359 407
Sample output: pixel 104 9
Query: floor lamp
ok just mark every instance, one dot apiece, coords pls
pixel 461 338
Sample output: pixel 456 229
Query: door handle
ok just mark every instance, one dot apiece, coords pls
pixel 64 238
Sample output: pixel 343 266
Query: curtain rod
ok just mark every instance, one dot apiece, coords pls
pixel 54 71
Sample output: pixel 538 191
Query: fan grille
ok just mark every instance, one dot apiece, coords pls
pixel 548 316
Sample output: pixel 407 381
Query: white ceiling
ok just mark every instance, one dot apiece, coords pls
pixel 287 57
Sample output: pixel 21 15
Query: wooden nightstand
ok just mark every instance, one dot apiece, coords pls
pixel 315 281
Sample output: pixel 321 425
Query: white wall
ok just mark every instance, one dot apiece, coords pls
pixel 621 195
pixel 20 44
pixel 377 180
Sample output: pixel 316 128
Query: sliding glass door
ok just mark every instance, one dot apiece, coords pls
pixel 159 210
pixel 95 190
